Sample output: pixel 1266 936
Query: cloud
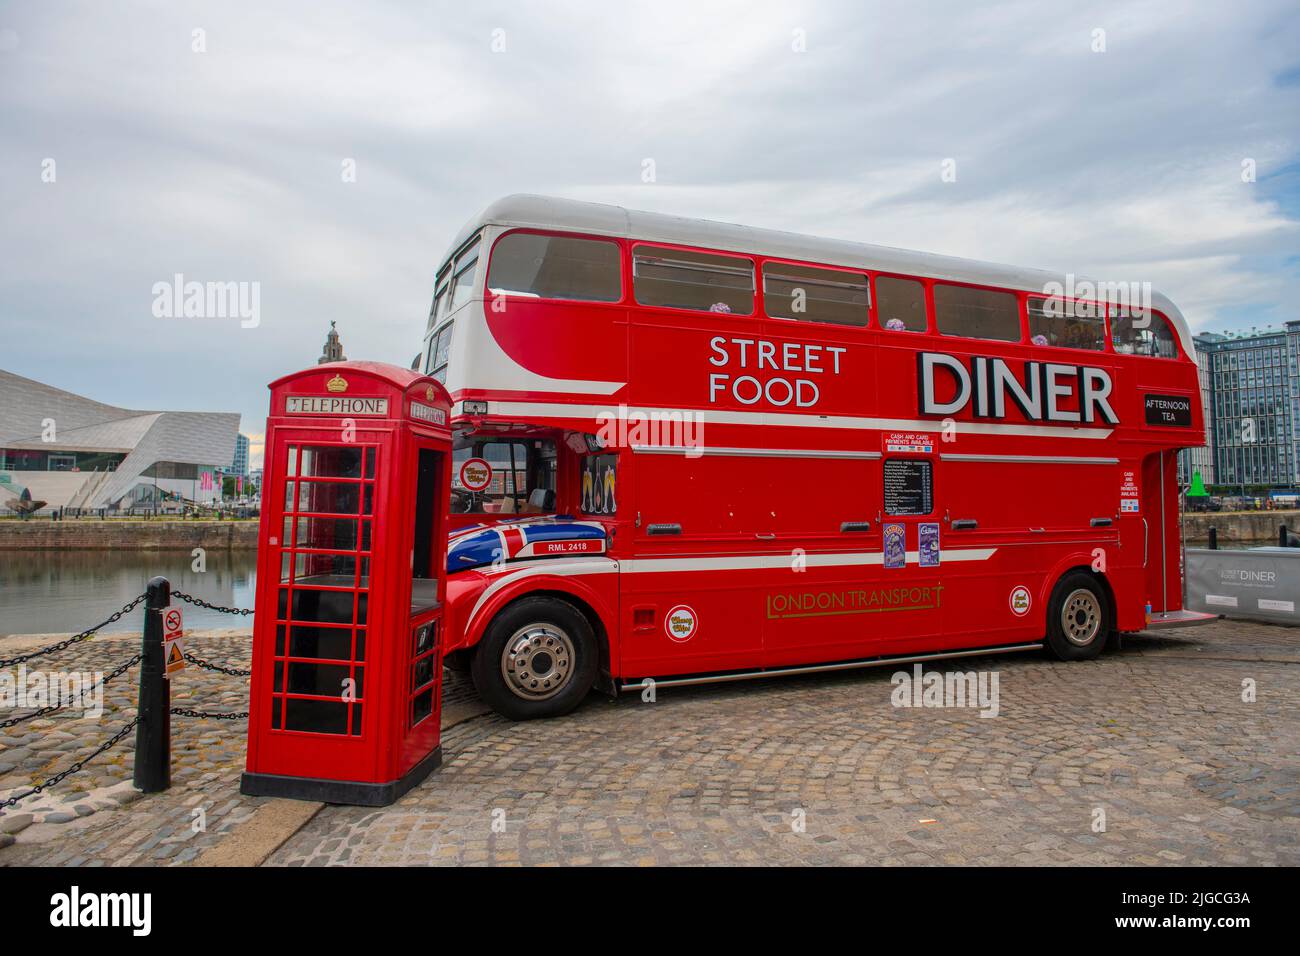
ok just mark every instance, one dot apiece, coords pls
pixel 227 165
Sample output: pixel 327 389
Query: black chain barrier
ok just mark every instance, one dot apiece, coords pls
pixel 62 774
pixel 199 602
pixel 75 638
pixel 209 666
pixel 117 672
pixel 205 714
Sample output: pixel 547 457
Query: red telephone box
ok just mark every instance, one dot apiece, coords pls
pixel 348 636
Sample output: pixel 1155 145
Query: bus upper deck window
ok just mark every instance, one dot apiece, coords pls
pixel 556 267
pixel 679 279
pixel 1067 324
pixel 463 283
pixel 815 295
pixel 440 298
pixel 976 313
pixel 1142 332
pixel 900 304
pixel 439 353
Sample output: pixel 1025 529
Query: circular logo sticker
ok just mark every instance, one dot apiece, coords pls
pixel 681 622
pixel 475 474
pixel 1020 600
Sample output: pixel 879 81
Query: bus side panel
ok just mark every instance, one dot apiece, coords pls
pixel 689 621
pixel 709 571
pixel 1036 518
pixel 825 598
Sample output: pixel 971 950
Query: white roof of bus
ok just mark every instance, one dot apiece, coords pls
pixel 546 212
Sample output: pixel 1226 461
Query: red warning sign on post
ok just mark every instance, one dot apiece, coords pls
pixel 173 623
pixel 173 648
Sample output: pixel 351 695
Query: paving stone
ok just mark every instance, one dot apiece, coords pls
pixel 12 822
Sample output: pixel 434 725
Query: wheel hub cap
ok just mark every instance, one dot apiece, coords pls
pixel 1081 617
pixel 537 662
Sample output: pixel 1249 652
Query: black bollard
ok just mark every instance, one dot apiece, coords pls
pixel 1281 536
pixel 153 758
pixel 1214 538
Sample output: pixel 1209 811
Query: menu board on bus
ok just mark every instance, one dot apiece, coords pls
pixel 909 486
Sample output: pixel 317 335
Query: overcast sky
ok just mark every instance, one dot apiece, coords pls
pixel 227 163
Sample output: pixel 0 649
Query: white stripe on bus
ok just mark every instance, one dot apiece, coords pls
pixel 720 417
pixel 512 572
pixel 754 452
pixel 1033 459
pixel 508 574
pixel 736 562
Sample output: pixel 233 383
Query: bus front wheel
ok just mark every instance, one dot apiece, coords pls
pixel 1078 618
pixel 537 659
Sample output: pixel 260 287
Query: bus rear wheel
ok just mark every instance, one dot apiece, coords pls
pixel 1078 618
pixel 537 659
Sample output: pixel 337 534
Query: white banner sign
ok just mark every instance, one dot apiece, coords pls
pixel 334 405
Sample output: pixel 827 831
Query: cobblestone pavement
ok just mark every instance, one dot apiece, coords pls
pixel 203 751
pixel 1154 737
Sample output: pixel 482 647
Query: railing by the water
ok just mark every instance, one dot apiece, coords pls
pixel 152 721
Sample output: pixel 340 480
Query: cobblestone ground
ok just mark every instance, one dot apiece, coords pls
pixel 206 756
pixel 1155 737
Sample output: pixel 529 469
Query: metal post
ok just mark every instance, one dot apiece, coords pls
pixel 1214 538
pixel 153 759
pixel 1281 536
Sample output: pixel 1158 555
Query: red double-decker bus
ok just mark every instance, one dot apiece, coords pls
pixel 693 451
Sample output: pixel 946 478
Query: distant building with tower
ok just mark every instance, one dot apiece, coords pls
pixel 333 351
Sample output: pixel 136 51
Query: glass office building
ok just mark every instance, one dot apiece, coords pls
pixel 1252 409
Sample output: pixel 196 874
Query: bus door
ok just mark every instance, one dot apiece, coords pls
pixel 1156 501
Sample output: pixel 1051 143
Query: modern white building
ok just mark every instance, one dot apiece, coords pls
pixel 74 452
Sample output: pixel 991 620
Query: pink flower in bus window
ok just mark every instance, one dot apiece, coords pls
pixel 719 307
pixel 1039 339
pixel 896 325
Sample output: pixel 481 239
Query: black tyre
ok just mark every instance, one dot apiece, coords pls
pixel 537 659
pixel 1078 618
